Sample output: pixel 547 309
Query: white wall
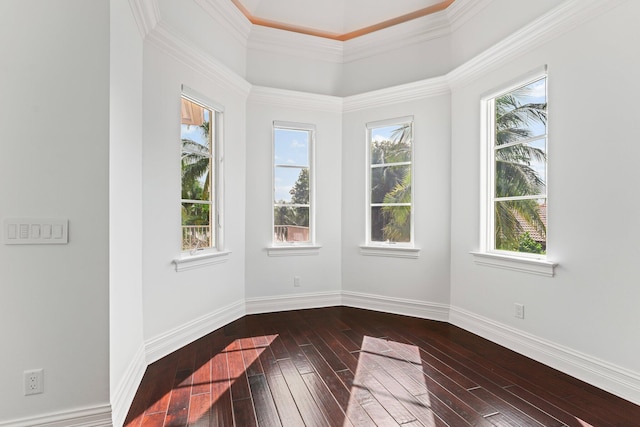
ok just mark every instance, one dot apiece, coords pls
pixel 426 279
pixel 126 350
pixel 171 299
pixel 204 30
pixel 590 307
pixel 492 23
pixel 54 133
pixel 273 276
pixel 415 61
pixel 285 71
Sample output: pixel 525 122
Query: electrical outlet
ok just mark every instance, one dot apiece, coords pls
pixel 519 311
pixel 33 382
pixel 296 281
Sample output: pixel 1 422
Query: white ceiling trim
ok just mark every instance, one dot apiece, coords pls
pixel 558 21
pixel 415 31
pixel 299 45
pixel 551 25
pixel 461 11
pixel 403 93
pixel 146 13
pixel 227 15
pixel 182 50
pixel 295 99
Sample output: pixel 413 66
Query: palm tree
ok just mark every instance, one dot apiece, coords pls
pixel 397 219
pixel 514 174
pixel 196 161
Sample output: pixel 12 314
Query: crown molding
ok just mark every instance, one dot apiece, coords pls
pixel 299 45
pixel 228 16
pixel 296 100
pixel 394 95
pixel 419 30
pixel 560 20
pixel 179 48
pixel 146 13
pixel 460 11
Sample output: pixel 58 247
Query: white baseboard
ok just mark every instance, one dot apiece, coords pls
pixel 98 416
pixel 406 307
pixel 614 379
pixel 126 389
pixel 168 342
pixel 292 302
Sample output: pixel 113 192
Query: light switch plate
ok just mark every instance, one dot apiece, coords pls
pixel 35 231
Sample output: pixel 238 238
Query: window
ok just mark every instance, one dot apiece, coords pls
pixel 517 170
pixel 200 133
pixel 293 183
pixel 389 182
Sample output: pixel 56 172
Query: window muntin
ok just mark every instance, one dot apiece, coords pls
pixel 199 135
pixel 389 181
pixel 293 183
pixel 518 169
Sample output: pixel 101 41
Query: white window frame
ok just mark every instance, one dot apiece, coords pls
pixel 389 249
pixel 216 253
pixel 295 248
pixel 488 255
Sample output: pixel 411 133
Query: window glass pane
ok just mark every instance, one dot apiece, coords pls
pixel 291 224
pixel 291 147
pixel 291 185
pixel 196 152
pixel 521 113
pixel 196 226
pixel 391 224
pixel 521 225
pixel 391 144
pixel 391 184
pixel 521 169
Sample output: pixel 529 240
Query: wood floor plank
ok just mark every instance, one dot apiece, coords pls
pixel 309 410
pixel 251 356
pixel 202 374
pixel 367 401
pixel 154 420
pixel 326 401
pixel 343 367
pixel 244 414
pixel 199 410
pixel 285 403
pixel 266 412
pixel 237 372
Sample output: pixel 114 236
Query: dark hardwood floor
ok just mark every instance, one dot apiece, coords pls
pixel 342 366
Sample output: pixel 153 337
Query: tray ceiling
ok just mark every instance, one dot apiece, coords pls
pixel 336 19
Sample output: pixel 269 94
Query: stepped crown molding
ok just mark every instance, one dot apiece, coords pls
pixel 549 26
pixel 558 21
pixel 461 11
pixel 271 40
pixel 146 14
pixel 299 45
pixel 170 42
pixel 228 16
pixel 419 30
pixel 296 100
pixel 397 94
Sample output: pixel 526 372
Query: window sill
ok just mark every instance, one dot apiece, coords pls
pixel 189 262
pixel 390 251
pixel 525 265
pixel 293 250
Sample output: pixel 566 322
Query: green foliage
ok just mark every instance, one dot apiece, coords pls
pixel 391 184
pixel 527 244
pixel 515 175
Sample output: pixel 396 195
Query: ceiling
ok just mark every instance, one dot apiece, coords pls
pixel 336 19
